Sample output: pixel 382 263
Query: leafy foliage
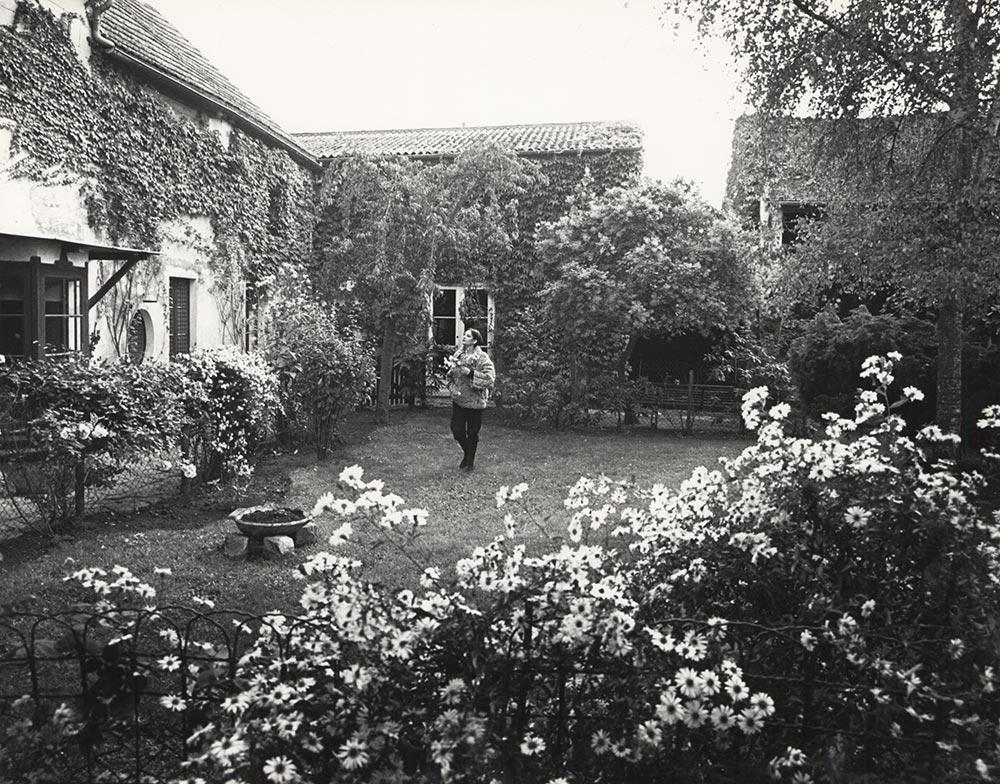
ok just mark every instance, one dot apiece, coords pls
pixel 389 225
pixel 83 423
pixel 324 367
pixel 230 407
pixel 909 95
pixel 827 352
pixel 650 259
pixel 72 423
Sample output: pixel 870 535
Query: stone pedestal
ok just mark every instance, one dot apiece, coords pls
pixel 236 546
pixel 306 535
pixel 277 547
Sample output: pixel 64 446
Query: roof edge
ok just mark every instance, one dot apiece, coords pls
pixel 524 153
pixel 634 126
pixel 299 154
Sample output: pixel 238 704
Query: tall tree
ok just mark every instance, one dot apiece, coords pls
pixel 912 63
pixel 651 259
pixel 388 224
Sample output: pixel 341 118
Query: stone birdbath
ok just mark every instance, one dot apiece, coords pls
pixel 274 531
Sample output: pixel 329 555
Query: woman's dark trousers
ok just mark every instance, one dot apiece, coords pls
pixel 465 424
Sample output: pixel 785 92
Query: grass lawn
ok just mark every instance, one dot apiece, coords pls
pixel 415 456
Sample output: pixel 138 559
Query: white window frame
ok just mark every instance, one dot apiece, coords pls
pixel 459 299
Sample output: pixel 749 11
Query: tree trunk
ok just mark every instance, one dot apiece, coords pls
pixel 633 340
pixel 387 355
pixel 949 363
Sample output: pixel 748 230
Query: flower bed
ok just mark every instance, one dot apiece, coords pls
pixel 816 609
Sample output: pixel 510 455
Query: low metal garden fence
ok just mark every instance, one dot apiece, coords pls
pixel 121 680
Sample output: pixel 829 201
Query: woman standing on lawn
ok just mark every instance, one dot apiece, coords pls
pixel 471 375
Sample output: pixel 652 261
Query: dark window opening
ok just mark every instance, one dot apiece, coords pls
pixel 475 307
pixel 276 209
pixel 750 214
pixel 251 322
pixel 445 316
pixel 14 313
pixel 793 216
pixel 43 309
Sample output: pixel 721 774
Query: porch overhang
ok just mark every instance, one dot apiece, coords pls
pixel 95 252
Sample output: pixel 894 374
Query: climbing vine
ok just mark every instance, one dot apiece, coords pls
pixel 141 163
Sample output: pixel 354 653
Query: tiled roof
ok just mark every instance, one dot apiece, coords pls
pixel 140 32
pixel 524 139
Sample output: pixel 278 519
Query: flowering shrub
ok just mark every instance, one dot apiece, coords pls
pixel 814 610
pixel 83 423
pixel 324 369
pixel 74 423
pixel 230 406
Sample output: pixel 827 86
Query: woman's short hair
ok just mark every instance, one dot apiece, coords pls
pixel 477 335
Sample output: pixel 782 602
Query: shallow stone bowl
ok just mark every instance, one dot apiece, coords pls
pixel 257 522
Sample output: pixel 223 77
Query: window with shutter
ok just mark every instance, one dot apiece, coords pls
pixel 180 316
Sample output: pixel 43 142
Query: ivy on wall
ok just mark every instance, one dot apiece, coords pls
pixel 142 162
pixel 562 177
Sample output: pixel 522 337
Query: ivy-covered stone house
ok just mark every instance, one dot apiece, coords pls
pixel 144 200
pixel 774 178
pixel 140 191
pixel 609 153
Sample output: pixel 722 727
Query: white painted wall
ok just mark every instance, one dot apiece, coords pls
pixel 54 207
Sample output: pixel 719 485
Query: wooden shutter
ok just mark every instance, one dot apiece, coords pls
pixel 180 316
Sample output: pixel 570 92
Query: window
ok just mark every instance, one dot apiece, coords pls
pixel 180 316
pixel 792 215
pixel 455 309
pixel 43 308
pixel 63 309
pixel 136 339
pixel 445 324
pixel 14 311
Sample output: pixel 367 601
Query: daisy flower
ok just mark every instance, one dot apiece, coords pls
pixel 670 709
pixel 600 742
pixel 722 717
pixel 710 684
pixel 695 714
pixel 353 754
pixel 280 770
pixel 856 516
pixel 532 745
pixel 762 703
pixel 737 689
pixel 688 682
pixel 169 663
pixel 173 702
pixel 649 732
pixel 750 721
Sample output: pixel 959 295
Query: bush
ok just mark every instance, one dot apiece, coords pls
pixel 72 423
pixel 324 368
pixel 82 423
pixel 230 401
pixel 826 355
pixel 560 375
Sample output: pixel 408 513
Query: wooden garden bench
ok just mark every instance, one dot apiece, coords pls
pixel 689 399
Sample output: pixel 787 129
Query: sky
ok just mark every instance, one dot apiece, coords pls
pixel 324 65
